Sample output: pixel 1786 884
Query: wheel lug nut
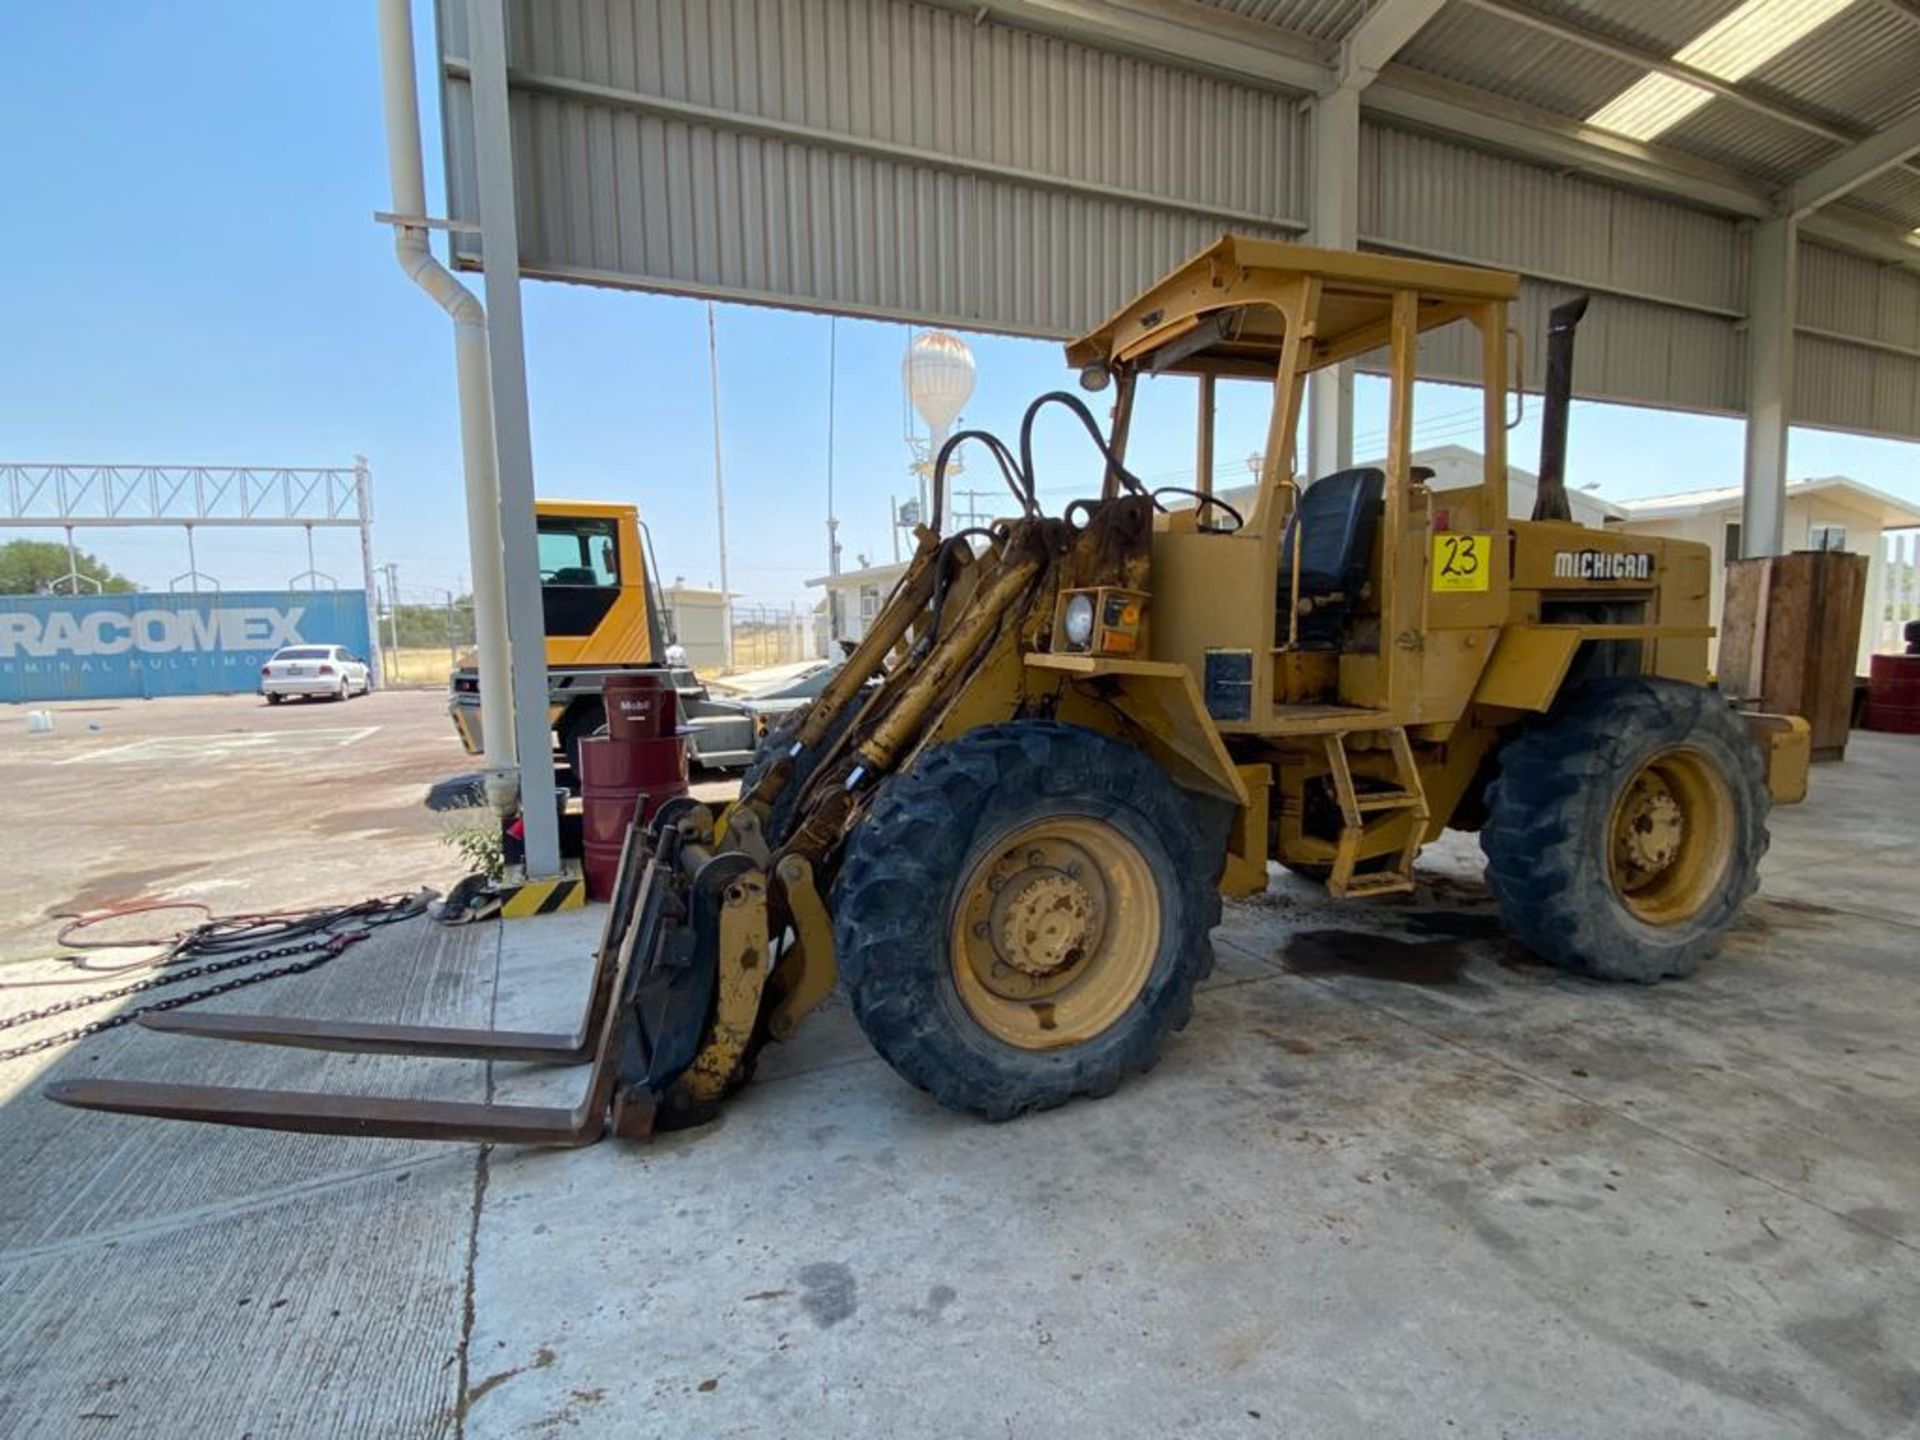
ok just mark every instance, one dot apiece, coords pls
pixel 980 929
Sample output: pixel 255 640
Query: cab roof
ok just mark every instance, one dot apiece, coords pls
pixel 591 509
pixel 1215 315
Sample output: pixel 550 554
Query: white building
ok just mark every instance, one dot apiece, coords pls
pixel 853 598
pixel 1833 513
pixel 1456 467
pixel 697 619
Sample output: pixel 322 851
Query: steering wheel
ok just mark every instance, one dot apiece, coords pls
pixel 1202 501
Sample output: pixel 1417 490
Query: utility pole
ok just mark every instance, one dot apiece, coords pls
pixel 833 521
pixel 893 524
pixel 719 487
pixel 392 572
pixel 453 653
pixel 973 515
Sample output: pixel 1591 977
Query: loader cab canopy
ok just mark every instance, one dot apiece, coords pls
pixel 1228 310
pixel 1263 310
pixel 1343 553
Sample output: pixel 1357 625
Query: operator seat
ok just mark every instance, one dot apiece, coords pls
pixel 1333 526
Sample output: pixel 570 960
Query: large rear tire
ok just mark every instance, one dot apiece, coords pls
pixel 1022 918
pixel 1625 832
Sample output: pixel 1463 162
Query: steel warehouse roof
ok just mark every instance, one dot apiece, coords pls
pixel 1021 165
pixel 1853 74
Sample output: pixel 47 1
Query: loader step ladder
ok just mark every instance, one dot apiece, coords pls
pixel 1360 813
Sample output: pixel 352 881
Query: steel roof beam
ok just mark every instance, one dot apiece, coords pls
pixel 1829 180
pixel 1382 34
pixel 1459 110
pixel 1178 30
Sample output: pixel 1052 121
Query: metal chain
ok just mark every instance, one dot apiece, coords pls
pixel 328 947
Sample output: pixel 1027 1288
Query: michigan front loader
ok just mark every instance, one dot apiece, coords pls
pixel 1003 831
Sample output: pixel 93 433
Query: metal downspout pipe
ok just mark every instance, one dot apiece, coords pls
pixel 471 365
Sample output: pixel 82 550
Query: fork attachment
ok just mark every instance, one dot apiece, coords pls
pixel 443 1041
pixel 669 1026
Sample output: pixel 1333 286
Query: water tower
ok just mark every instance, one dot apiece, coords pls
pixel 938 375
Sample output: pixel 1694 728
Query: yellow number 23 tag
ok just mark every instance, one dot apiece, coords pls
pixel 1462 562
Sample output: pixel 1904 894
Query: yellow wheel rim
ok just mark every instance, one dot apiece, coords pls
pixel 1054 932
pixel 1670 839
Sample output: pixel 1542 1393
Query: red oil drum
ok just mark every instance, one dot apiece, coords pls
pixel 617 778
pixel 641 705
pixel 1893 694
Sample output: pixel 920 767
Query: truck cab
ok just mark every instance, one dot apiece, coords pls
pixel 600 617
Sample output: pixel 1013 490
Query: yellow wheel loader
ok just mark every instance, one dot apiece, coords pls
pixel 1005 828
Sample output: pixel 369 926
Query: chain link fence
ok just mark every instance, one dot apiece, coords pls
pixel 767 635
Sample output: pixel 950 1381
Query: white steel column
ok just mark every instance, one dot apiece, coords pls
pixel 1336 226
pixel 469 316
pixel 513 437
pixel 1771 267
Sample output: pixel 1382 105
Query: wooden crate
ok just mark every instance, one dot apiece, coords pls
pixel 1789 633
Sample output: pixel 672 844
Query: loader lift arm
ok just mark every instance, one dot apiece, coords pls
pixel 717 938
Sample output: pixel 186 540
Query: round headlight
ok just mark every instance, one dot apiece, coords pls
pixel 1094 376
pixel 1078 622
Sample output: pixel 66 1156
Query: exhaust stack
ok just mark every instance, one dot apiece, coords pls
pixel 1550 500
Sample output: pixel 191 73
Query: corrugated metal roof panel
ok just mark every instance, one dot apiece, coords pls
pixel 1893 195
pixel 1659 25
pixel 1475 47
pixel 1743 139
pixel 1862 66
pixel 1315 19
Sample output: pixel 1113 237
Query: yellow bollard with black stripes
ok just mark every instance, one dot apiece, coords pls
pixel 541 897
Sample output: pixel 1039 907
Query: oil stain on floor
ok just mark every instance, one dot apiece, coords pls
pixel 1377 957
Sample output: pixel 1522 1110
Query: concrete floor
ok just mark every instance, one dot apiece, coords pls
pixel 225 800
pixel 1397 1179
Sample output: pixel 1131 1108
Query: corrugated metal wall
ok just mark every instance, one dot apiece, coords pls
pixel 887 157
pixel 870 156
pixel 1668 284
pixel 1857 366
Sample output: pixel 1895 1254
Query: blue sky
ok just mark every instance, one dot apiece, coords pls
pixel 193 275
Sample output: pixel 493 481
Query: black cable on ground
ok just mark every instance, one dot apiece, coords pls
pixel 221 945
pixel 217 935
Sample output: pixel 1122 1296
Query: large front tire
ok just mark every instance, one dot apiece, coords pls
pixel 1022 918
pixel 1625 832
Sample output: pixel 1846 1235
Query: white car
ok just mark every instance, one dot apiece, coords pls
pixel 332 671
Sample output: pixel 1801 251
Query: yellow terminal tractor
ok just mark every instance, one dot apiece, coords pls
pixel 1003 831
pixel 601 617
